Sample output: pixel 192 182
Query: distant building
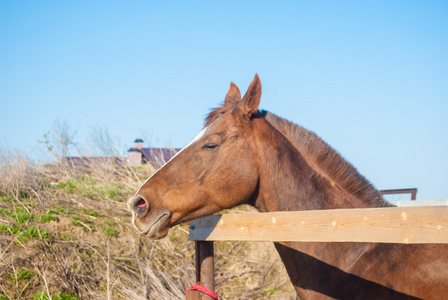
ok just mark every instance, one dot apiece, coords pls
pixel 136 156
pixel 157 157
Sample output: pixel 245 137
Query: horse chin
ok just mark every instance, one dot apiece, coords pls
pixel 161 234
pixel 156 227
pixel 160 228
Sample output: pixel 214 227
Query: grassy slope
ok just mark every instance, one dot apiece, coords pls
pixel 65 234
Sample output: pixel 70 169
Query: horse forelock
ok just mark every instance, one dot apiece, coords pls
pixel 327 160
pixel 214 114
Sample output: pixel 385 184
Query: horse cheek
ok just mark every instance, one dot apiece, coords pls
pixel 243 183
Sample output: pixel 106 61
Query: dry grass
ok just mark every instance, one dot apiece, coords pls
pixel 65 233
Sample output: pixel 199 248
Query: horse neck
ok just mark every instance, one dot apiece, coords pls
pixel 291 181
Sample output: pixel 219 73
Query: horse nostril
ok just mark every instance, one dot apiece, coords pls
pixel 140 206
pixel 140 203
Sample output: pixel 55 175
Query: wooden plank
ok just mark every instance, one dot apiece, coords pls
pixel 408 225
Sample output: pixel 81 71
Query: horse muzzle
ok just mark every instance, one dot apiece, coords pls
pixel 154 223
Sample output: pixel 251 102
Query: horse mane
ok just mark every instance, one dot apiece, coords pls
pixel 327 160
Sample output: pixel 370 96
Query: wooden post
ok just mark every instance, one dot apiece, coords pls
pixel 205 268
pixel 193 295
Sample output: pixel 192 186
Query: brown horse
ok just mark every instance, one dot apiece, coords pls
pixel 246 156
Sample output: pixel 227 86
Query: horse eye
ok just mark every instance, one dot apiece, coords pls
pixel 210 146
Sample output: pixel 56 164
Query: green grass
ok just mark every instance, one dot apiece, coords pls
pixel 92 213
pixel 93 189
pixel 22 274
pixel 111 222
pixel 6 228
pixel 45 218
pixel 4 199
pixel 109 231
pixel 33 232
pixel 270 290
pixel 68 184
pixel 83 222
pixel 67 237
pixel 59 296
pixel 26 233
pixel 22 216
pixel 60 210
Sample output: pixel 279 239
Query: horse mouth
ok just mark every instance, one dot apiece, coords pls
pixel 158 228
pixel 154 225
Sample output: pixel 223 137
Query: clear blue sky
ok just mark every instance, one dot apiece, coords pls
pixel 371 78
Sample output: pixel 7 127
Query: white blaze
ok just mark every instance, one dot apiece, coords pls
pixel 197 138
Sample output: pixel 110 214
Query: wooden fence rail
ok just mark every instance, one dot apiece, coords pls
pixel 408 225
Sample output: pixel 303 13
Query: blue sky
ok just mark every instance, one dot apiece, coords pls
pixel 370 78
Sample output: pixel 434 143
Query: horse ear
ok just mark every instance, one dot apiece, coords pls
pixel 251 99
pixel 233 96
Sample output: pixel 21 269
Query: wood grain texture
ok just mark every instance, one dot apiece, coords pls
pixel 407 225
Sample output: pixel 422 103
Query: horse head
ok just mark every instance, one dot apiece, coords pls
pixel 215 171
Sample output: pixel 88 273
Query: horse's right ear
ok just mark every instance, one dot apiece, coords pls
pixel 233 96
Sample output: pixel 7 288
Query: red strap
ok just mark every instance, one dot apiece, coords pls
pixel 203 290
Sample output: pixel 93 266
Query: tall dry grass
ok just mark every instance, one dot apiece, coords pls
pixel 65 232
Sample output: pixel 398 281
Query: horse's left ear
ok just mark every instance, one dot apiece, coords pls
pixel 251 100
